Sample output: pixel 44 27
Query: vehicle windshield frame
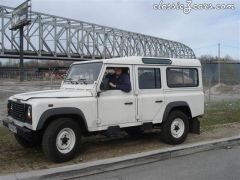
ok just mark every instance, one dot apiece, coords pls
pixel 70 80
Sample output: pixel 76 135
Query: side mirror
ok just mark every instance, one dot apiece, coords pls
pixel 104 84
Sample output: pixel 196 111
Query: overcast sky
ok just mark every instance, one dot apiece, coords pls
pixel 202 30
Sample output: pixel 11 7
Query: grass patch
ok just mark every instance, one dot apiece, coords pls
pixel 221 112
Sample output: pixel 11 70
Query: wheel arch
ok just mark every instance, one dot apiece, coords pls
pixel 69 112
pixel 177 105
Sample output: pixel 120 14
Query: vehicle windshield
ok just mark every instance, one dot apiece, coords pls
pixel 83 73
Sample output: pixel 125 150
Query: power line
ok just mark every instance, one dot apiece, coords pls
pixel 229 46
pixel 204 47
pixel 222 45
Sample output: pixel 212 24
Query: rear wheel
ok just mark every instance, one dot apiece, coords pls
pixel 175 128
pixel 61 140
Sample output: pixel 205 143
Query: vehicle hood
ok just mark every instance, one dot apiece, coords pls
pixel 60 93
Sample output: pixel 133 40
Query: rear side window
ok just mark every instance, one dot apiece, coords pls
pixel 149 78
pixel 182 77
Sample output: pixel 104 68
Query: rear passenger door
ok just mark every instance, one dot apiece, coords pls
pixel 149 93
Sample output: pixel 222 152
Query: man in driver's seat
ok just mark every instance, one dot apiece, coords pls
pixel 120 80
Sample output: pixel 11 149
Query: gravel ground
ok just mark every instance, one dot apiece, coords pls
pixel 221 92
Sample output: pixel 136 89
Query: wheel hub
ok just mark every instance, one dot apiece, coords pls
pixel 177 128
pixel 66 140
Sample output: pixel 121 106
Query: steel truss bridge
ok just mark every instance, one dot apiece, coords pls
pixel 57 38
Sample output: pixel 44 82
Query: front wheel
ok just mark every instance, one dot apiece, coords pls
pixel 175 128
pixel 61 140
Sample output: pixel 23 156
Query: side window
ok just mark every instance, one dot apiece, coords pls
pixel 112 71
pixel 116 78
pixel 149 78
pixel 182 77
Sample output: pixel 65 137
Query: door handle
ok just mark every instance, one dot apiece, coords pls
pixel 158 101
pixel 128 103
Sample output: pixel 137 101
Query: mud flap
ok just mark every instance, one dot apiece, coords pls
pixel 194 126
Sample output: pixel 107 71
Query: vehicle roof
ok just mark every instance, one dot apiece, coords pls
pixel 137 60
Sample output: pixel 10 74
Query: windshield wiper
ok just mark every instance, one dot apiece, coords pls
pixel 71 81
pixel 82 80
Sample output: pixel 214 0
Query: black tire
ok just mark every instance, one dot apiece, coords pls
pixel 134 131
pixel 27 142
pixel 49 141
pixel 166 134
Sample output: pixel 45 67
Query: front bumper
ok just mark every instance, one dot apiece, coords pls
pixel 22 131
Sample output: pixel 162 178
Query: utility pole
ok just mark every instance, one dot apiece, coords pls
pixel 219 65
pixel 21 16
pixel 21 55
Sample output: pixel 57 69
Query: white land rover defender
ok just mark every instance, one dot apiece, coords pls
pixel 163 93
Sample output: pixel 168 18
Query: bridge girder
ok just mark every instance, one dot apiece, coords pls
pixel 58 38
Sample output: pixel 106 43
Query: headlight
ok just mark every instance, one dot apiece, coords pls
pixel 29 112
pixel 9 107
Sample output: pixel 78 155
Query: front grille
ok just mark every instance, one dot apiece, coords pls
pixel 18 111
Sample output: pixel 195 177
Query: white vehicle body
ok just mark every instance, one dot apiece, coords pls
pixel 162 92
pixel 109 108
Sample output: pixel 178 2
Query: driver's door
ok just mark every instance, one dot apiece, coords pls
pixel 115 106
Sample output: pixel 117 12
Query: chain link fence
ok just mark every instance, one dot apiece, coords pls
pixel 221 82
pixel 229 73
pixel 33 74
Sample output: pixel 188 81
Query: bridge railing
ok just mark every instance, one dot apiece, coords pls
pixel 52 37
